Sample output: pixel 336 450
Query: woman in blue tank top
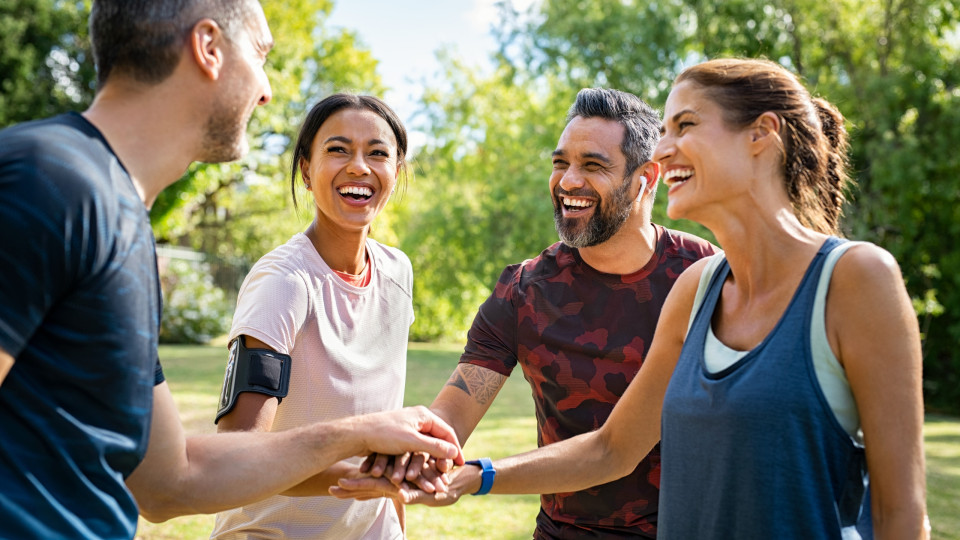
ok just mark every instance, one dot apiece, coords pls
pixel 788 379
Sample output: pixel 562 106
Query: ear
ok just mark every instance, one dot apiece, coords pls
pixel 646 177
pixel 305 172
pixel 765 131
pixel 206 47
pixel 651 171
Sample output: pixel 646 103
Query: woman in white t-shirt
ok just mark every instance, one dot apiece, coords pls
pixel 339 304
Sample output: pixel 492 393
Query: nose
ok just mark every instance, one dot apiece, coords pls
pixel 267 94
pixel 571 180
pixel 664 149
pixel 358 165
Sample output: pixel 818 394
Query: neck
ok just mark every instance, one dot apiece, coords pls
pixel 764 247
pixel 154 137
pixel 625 252
pixel 344 251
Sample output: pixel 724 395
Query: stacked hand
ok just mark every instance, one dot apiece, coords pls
pixel 411 478
pixel 413 429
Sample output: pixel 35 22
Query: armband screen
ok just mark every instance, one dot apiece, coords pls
pixel 253 370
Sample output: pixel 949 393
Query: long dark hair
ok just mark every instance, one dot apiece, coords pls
pixel 330 106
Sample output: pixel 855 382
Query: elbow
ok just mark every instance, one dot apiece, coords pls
pixel 158 506
pixel 617 461
pixel 155 511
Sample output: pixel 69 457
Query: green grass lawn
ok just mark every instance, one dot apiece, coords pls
pixel 509 427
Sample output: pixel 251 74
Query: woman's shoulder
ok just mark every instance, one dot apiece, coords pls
pixel 284 260
pixel 388 254
pixel 867 261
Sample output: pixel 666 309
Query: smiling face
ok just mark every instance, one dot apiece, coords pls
pixel 702 159
pixel 591 198
pixel 245 86
pixel 352 169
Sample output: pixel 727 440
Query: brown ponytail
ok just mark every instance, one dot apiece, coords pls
pixel 814 139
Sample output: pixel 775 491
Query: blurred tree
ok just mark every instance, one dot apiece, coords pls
pixel 45 64
pixel 892 66
pixel 480 200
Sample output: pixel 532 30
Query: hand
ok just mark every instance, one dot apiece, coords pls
pixel 426 472
pixel 463 480
pixel 413 429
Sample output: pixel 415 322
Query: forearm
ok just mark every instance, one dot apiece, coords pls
pixel 905 524
pixel 227 470
pixel 466 396
pixel 319 484
pixel 571 465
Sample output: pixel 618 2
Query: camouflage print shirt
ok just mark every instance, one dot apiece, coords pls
pixel 580 337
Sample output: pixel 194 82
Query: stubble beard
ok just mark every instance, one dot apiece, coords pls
pixel 225 135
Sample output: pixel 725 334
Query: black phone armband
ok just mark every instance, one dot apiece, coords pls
pixel 253 370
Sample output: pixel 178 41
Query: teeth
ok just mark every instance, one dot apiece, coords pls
pixel 580 203
pixel 677 175
pixel 356 190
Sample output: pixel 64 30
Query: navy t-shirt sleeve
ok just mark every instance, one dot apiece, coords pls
pixel 39 248
pixel 492 339
pixel 158 374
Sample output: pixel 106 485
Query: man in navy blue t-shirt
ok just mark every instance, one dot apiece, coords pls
pixel 81 389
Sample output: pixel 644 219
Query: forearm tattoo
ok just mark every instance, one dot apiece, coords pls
pixel 480 383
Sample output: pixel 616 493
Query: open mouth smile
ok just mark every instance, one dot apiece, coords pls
pixel 355 193
pixel 676 176
pixel 576 205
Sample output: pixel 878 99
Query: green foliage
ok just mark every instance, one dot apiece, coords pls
pixel 480 201
pixel 45 64
pixel 194 309
pixel 892 67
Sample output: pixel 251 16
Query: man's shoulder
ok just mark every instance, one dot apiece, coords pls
pixel 63 154
pixel 683 245
pixel 55 134
pixel 546 264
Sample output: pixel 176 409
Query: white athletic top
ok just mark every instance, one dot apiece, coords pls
pixel 348 347
pixel 830 374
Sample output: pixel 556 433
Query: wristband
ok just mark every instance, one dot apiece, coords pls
pixel 487 474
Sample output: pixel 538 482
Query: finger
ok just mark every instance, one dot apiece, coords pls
pixel 400 470
pixel 444 444
pixel 417 496
pixel 369 484
pixel 368 463
pixel 417 463
pixel 444 465
pixel 379 465
pixel 341 493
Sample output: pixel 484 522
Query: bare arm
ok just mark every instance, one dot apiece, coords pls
pixel 461 403
pixel 873 329
pixel 256 412
pixel 6 362
pixel 209 473
pixel 466 397
pixel 589 459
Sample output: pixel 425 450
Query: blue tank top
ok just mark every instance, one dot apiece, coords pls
pixel 754 451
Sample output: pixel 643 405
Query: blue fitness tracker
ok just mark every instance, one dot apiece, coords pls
pixel 487 474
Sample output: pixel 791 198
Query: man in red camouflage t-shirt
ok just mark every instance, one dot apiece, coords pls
pixel 579 317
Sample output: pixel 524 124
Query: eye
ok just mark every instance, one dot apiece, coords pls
pixel 683 125
pixel 336 150
pixel 592 166
pixel 381 153
pixel 560 164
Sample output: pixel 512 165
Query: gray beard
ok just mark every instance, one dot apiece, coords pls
pixel 604 223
